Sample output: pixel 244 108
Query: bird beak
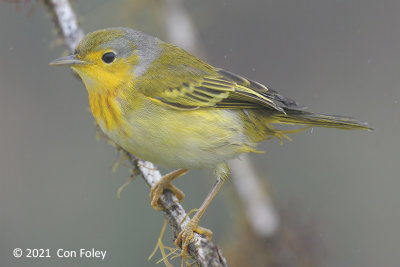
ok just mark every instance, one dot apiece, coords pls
pixel 68 61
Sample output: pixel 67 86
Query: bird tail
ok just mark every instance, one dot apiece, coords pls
pixel 299 117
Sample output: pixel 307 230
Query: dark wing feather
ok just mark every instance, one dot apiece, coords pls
pixel 283 102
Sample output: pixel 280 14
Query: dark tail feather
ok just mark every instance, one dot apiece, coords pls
pixel 320 120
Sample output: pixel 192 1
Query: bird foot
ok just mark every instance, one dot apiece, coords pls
pixel 163 184
pixel 186 235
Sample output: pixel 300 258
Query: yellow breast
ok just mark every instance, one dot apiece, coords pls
pixel 107 112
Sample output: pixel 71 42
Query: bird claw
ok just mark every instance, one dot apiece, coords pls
pixel 158 189
pixel 165 183
pixel 186 235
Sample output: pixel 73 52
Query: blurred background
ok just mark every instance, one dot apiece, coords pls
pixel 336 191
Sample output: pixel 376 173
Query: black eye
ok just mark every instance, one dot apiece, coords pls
pixel 108 57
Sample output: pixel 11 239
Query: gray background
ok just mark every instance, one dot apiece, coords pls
pixel 339 57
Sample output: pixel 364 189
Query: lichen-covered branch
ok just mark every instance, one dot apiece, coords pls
pixel 205 252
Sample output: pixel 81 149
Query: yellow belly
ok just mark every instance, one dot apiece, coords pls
pixel 181 139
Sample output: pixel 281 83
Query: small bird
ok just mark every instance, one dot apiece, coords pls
pixel 164 105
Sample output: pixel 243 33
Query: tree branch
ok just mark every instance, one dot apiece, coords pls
pixel 203 250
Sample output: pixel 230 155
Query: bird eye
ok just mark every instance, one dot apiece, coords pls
pixel 108 57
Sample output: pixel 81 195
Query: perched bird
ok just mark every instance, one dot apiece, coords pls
pixel 165 105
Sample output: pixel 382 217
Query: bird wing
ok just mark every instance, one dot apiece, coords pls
pixel 255 93
pixel 184 86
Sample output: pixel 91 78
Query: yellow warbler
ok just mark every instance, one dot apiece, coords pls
pixel 166 106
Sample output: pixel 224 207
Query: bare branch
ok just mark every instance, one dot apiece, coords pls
pixel 203 250
pixel 66 22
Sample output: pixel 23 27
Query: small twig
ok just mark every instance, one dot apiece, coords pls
pixel 205 252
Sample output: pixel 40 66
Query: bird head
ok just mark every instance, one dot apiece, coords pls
pixel 110 58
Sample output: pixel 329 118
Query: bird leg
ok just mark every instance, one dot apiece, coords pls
pixel 165 183
pixel 186 235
